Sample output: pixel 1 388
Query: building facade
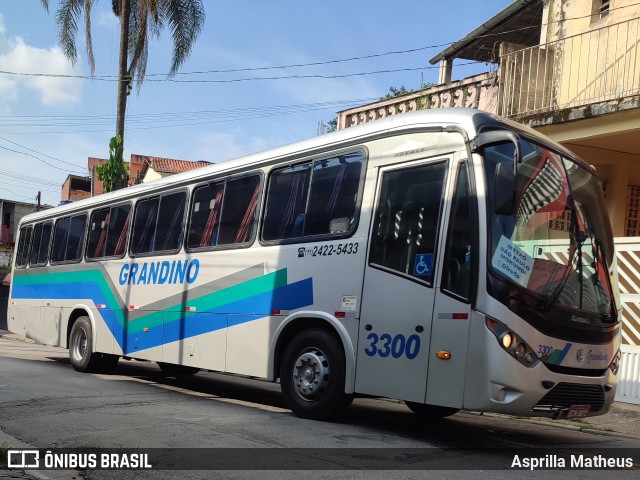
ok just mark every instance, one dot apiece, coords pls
pixel 75 188
pixel 155 168
pixel 134 165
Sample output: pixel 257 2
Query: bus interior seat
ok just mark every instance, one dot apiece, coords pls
pixel 298 226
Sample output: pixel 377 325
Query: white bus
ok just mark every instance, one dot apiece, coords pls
pixel 446 258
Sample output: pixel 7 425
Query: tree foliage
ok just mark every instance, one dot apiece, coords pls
pixel 147 18
pixel 114 174
pixel 139 21
pixel 398 92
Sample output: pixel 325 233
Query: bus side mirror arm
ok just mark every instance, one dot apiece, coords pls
pixel 493 137
pixel 504 191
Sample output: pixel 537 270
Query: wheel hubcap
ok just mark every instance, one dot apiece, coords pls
pixel 311 374
pixel 79 344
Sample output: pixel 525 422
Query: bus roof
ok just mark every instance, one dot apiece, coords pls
pixel 466 118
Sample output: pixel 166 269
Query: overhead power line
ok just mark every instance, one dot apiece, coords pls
pixel 28 179
pixel 230 80
pixel 115 78
pixel 40 153
pixel 48 120
pixel 37 158
pixel 170 119
pixel 15 194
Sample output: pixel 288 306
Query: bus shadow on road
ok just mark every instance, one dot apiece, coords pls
pixel 462 430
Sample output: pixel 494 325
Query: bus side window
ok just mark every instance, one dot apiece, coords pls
pixel 23 246
pixel 40 244
pixel 157 224
pixel 286 202
pixel 406 220
pixel 144 226
pixel 239 210
pixel 60 238
pixel 108 231
pixel 205 215
pixel 169 228
pixel 224 213
pixel 76 238
pixel 98 226
pixel 333 195
pixel 117 233
pixel 307 199
pixel 68 237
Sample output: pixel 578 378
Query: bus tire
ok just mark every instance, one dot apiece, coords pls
pixel 312 375
pixel 173 370
pixel 431 411
pixel 81 354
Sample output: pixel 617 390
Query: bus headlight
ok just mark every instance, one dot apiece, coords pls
pixel 507 340
pixel 512 343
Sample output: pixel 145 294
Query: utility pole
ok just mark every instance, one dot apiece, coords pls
pixel 38 197
pixel 123 75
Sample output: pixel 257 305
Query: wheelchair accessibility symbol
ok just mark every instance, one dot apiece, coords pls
pixel 422 265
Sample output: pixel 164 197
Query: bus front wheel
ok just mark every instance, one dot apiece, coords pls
pixel 81 354
pixel 312 375
pixel 431 411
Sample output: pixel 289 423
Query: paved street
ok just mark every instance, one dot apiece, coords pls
pixel 44 403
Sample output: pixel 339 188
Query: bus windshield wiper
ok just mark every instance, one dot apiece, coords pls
pixel 580 238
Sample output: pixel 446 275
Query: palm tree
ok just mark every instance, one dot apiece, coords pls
pixel 139 20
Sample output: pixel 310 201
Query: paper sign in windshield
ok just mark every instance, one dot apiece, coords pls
pixel 512 261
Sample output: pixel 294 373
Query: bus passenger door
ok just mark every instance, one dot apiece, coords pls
pixel 452 313
pixel 398 294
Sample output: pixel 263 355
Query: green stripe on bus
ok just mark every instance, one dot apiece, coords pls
pixel 256 286
pixel 229 295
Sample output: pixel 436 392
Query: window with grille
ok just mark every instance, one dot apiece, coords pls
pixel 633 210
pixel 604 8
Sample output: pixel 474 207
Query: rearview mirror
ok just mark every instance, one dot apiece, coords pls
pixel 493 137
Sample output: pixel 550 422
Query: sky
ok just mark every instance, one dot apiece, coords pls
pixel 50 125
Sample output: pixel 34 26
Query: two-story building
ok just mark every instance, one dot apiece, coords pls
pixel 571 70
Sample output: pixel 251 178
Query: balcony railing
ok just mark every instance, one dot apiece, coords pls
pixel 593 67
pixel 479 91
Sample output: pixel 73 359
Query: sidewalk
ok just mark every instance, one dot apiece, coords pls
pixel 622 418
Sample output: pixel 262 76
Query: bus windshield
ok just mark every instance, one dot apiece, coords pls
pixel 555 243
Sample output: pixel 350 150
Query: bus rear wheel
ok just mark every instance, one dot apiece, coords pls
pixel 312 375
pixel 431 411
pixel 81 354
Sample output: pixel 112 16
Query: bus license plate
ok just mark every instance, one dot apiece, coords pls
pixel 578 411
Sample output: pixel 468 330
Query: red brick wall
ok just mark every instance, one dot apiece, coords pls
pixel 92 163
pixel 65 189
